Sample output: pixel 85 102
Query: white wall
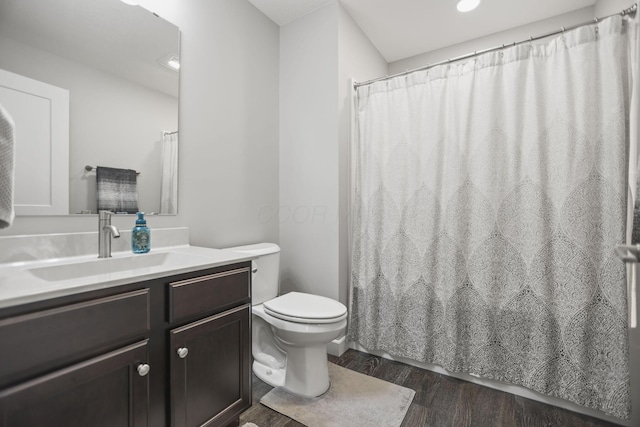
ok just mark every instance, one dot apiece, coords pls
pixel 228 167
pixel 609 7
pixel 319 53
pixel 308 209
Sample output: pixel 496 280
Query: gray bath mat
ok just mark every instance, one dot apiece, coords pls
pixel 352 400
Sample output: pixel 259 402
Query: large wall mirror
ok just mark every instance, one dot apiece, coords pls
pixel 119 65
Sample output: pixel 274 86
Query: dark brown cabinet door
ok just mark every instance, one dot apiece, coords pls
pixel 210 369
pixel 106 391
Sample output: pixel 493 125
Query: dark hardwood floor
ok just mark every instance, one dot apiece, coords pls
pixel 440 401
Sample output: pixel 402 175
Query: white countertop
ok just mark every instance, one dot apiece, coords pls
pixel 19 286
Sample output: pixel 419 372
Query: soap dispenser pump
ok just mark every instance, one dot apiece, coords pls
pixel 141 236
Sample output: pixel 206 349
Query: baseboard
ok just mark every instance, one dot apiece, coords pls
pixel 338 346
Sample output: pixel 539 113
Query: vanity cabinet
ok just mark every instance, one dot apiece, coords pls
pixel 174 351
pixel 105 391
pixel 202 392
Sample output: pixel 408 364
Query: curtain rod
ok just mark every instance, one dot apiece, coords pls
pixel 628 11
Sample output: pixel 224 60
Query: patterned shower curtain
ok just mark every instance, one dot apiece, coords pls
pixel 489 196
pixel 169 183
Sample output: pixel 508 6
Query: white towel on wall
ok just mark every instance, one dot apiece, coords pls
pixel 7 160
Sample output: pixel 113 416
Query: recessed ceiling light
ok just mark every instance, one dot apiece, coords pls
pixel 173 63
pixel 170 61
pixel 467 5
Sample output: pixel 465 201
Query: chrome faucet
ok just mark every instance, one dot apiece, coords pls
pixel 105 232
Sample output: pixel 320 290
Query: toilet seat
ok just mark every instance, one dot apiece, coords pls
pixel 299 307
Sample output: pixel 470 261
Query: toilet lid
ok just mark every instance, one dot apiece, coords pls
pixel 305 308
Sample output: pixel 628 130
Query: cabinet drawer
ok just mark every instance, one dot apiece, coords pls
pixel 46 339
pixel 206 293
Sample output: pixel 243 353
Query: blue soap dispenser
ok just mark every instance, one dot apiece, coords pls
pixel 141 236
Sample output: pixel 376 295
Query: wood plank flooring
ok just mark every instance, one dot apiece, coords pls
pixel 440 401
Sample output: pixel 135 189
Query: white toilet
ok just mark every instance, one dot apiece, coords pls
pixel 290 332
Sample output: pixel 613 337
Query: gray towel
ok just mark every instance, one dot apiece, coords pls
pixel 117 190
pixel 7 161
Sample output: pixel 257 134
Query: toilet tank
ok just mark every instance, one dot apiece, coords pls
pixel 265 281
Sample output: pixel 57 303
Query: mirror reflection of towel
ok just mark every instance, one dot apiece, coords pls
pixel 7 135
pixel 117 190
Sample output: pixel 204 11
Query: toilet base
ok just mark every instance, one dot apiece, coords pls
pixel 271 376
pixel 306 372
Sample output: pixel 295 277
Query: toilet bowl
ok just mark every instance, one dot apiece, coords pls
pixel 290 332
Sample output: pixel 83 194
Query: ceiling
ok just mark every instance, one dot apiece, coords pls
pixel 404 28
pixel 284 11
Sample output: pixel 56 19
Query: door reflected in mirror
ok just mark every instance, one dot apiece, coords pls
pixel 119 65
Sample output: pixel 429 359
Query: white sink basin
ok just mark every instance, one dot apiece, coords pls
pixel 130 264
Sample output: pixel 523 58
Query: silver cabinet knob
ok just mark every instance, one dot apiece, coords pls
pixel 143 369
pixel 182 352
pixel 255 270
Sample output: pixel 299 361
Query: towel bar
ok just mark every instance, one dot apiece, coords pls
pixel 89 168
